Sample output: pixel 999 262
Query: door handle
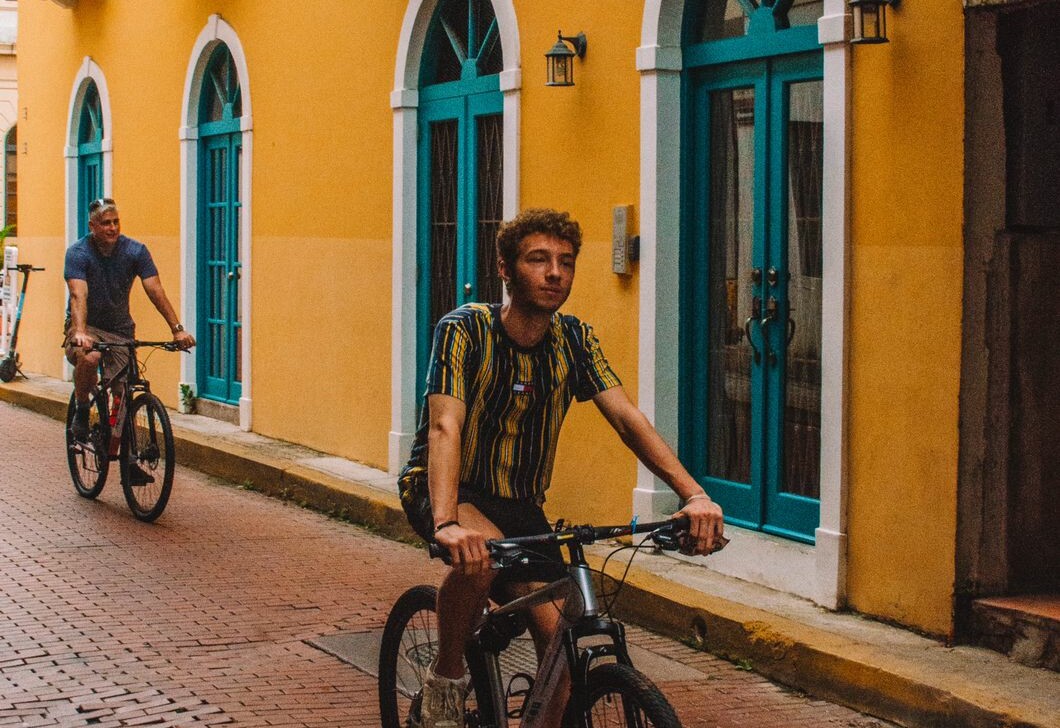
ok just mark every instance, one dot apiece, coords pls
pixel 756 312
pixel 770 317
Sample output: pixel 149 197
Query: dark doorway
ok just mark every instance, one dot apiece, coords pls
pixel 1008 550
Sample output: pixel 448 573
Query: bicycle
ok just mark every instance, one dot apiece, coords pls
pixel 606 690
pixel 139 437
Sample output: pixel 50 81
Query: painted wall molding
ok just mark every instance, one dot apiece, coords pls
pixel 216 31
pixel 404 99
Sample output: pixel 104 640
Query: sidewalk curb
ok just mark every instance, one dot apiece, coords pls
pixel 818 662
pixel 808 658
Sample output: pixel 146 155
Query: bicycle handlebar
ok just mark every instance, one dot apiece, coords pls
pixel 668 535
pixel 134 344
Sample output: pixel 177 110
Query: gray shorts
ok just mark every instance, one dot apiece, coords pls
pixel 113 360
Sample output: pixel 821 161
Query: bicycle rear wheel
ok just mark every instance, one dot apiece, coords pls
pixel 88 460
pixel 147 458
pixel 619 695
pixel 408 648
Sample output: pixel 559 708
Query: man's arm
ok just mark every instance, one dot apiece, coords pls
pixel 78 335
pixel 157 294
pixel 444 442
pixel 637 433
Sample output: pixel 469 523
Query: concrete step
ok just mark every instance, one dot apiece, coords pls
pixel 1026 628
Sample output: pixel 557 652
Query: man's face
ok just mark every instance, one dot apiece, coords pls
pixel 106 227
pixel 542 274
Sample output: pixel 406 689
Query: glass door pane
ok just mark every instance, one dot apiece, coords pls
pixel 443 218
pixel 490 162
pixel 236 269
pixel 802 418
pixel 730 250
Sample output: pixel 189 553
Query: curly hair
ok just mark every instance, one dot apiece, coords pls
pixel 537 220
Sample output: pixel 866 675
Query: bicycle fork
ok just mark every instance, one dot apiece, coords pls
pixel 564 655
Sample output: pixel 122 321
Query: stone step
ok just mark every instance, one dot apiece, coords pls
pixel 1026 628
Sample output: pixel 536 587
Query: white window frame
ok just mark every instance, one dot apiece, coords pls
pixel 816 572
pixel 216 31
pixel 404 99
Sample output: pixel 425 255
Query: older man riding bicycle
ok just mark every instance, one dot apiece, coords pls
pixel 100 270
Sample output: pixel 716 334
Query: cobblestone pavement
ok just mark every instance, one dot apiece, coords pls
pixel 203 618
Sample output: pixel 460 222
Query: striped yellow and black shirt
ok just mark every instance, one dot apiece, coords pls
pixel 516 397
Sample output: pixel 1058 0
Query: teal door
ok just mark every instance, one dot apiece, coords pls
pixel 219 355
pixel 89 155
pixel 752 263
pixel 460 165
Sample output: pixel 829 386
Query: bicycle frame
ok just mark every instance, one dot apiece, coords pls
pixel 564 655
pixel 126 383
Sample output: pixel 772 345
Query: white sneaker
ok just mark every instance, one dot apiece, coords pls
pixel 442 704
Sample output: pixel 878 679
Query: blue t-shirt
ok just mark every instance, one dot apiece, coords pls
pixel 109 278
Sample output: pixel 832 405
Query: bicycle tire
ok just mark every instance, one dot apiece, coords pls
pixel 147 444
pixel 89 462
pixel 8 368
pixel 406 651
pixel 620 695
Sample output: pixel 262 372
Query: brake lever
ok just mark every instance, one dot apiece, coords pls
pixel 668 539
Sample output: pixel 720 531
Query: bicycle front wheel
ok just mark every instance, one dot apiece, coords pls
pixel 407 651
pixel 619 695
pixel 147 458
pixel 88 459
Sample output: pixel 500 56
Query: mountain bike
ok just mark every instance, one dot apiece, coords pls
pixel 605 688
pixel 129 424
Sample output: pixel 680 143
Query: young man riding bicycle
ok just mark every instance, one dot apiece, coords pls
pixel 100 269
pixel 499 383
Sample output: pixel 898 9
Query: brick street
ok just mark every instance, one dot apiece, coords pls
pixel 205 617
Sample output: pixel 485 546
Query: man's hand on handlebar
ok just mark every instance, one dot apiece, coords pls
pixel 184 340
pixel 466 546
pixel 706 526
pixel 82 340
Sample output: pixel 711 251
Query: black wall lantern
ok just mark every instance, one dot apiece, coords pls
pixel 870 20
pixel 560 59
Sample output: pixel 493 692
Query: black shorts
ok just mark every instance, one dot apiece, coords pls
pixel 512 516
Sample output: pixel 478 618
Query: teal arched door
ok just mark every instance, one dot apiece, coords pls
pixel 460 164
pixel 752 261
pixel 219 332
pixel 89 155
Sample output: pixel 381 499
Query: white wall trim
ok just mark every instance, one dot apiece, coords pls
pixel 818 572
pixel 88 71
pixel 216 31
pixel 405 390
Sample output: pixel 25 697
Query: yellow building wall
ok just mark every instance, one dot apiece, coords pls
pixel 580 152
pixel 322 248
pixel 905 316
pixel 322 161
pixel 321 199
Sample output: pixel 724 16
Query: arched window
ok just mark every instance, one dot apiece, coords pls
pixel 219 359
pixel 89 154
pixel 11 180
pixel 460 163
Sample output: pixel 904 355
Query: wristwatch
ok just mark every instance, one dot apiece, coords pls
pixel 178 328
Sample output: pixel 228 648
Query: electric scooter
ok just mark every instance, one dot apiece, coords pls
pixel 9 365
